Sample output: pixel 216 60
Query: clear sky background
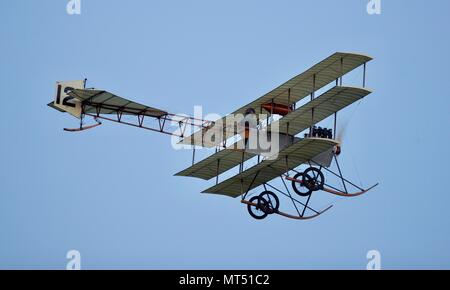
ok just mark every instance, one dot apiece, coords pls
pixel 110 193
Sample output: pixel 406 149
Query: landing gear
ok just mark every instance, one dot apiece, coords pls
pixel 299 187
pixel 259 207
pixel 273 202
pixel 304 184
pixel 312 179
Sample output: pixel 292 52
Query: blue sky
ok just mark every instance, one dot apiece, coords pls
pixel 110 193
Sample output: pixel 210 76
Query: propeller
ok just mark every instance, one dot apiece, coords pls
pixel 340 136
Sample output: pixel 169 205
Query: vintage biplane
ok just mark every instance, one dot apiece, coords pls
pixel 300 142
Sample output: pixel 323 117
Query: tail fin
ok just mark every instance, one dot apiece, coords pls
pixel 63 101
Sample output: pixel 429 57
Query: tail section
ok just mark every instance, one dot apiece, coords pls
pixel 65 103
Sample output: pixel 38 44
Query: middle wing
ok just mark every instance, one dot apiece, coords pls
pixel 320 108
pixel 324 106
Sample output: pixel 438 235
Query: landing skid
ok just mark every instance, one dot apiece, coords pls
pixel 335 192
pixel 81 128
pixel 289 215
pixel 349 194
pixel 304 184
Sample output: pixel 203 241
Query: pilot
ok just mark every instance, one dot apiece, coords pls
pixel 248 123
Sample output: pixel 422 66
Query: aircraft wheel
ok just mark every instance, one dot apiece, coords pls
pixel 259 211
pixel 273 202
pixel 313 179
pixel 299 187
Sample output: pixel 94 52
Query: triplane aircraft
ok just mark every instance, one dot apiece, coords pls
pixel 317 148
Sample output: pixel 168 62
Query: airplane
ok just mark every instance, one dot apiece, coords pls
pixel 299 142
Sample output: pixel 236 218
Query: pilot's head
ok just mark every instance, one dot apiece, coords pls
pixel 250 111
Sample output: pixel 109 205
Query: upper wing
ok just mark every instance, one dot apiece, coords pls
pixel 289 158
pixel 288 93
